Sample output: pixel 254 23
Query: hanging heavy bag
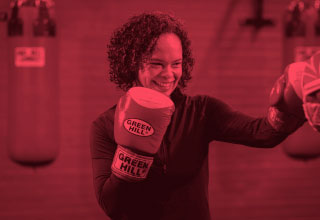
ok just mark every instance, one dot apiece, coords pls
pixel 33 137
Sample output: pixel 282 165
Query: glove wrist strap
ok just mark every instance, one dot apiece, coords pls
pixel 129 165
pixel 283 122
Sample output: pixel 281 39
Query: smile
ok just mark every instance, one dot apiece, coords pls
pixel 163 84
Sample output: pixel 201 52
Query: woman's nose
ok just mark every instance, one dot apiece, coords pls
pixel 167 72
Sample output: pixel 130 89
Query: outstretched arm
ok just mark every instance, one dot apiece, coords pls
pixel 232 126
pixel 293 99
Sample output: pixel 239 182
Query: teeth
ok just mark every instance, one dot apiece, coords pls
pixel 163 84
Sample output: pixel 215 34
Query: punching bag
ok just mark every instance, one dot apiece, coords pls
pixel 301 41
pixel 33 123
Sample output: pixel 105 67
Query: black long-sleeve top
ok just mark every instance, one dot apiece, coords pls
pixel 177 184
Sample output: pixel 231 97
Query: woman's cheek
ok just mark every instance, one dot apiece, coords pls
pixel 144 77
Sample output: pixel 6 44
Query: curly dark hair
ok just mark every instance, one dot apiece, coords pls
pixel 133 44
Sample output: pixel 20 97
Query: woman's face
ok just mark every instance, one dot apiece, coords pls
pixel 164 69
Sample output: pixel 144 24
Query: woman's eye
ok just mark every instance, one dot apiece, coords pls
pixel 176 65
pixel 156 65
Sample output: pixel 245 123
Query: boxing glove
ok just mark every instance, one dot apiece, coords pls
pixel 286 107
pixel 141 120
pixel 296 96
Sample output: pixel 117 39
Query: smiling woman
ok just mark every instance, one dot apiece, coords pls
pixel 150 151
pixel 131 48
pixel 164 70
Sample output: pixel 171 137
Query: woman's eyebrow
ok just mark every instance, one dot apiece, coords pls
pixel 160 60
pixel 156 60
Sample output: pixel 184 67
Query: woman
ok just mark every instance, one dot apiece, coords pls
pixel 153 51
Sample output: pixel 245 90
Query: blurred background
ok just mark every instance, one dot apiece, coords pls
pixel 239 54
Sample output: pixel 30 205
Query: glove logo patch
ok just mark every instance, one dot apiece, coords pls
pixel 138 127
pixel 129 165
